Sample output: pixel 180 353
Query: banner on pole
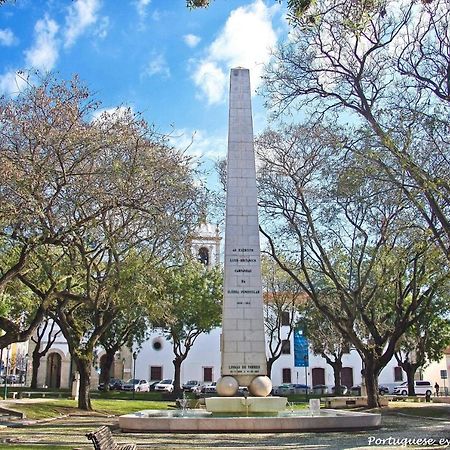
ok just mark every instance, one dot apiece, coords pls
pixel 301 355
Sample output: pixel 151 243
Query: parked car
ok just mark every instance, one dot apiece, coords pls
pixel 10 379
pixel 164 385
pixel 290 388
pixel 283 389
pixel 210 388
pixel 356 390
pixel 190 385
pixel 421 387
pixel 243 390
pixel 343 390
pixel 152 384
pixel 197 390
pixel 137 385
pixel 320 389
pixel 114 385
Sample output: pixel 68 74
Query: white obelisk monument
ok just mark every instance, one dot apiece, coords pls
pixel 243 339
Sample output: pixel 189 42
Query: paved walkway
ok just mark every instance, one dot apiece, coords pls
pixel 395 432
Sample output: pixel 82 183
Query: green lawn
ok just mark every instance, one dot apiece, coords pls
pixel 418 411
pixel 55 408
pixel 37 447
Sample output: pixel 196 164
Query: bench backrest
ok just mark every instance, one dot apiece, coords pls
pixel 102 439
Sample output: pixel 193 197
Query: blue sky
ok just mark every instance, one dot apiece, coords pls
pixel 162 59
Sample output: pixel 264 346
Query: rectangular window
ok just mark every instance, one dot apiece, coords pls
pixel 285 318
pixel 208 374
pixel 286 347
pixel 156 373
pixel 398 374
pixel 287 375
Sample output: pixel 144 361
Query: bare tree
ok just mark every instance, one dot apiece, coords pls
pixel 345 238
pixel 389 73
pixel 282 299
pixel 91 189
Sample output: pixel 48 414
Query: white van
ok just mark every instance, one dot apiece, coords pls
pixel 421 387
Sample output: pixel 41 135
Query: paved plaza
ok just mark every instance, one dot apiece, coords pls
pixel 398 431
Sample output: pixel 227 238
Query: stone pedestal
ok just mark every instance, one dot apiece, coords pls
pixel 246 405
pixel 76 386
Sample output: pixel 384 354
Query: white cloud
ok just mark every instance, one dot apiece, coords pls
pixel 200 144
pixel 11 83
pixel 211 79
pixel 245 41
pixel 157 66
pixel 102 28
pixel 7 37
pixel 141 6
pixel 44 52
pixel 191 40
pixel 81 14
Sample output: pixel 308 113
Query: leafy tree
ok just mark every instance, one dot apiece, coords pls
pixel 345 235
pixel 325 340
pixel 22 310
pixel 192 296
pixel 131 324
pixel 298 9
pixel 90 193
pixel 423 343
pixel 52 181
pixel 388 73
pixel 282 299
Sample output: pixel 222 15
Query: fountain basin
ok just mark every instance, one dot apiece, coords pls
pixel 198 420
pixel 245 405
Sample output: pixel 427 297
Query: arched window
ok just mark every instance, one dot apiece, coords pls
pixel 203 256
pixel 53 376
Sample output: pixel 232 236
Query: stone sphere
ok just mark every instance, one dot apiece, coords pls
pixel 227 386
pixel 260 386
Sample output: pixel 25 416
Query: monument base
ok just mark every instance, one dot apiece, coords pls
pixel 242 405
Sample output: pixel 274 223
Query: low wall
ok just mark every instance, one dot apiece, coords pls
pixel 349 402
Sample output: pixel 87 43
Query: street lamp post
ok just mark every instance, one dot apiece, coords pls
pixel 5 393
pixel 26 370
pixel 306 374
pixel 134 373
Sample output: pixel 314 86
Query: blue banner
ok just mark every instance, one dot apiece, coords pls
pixel 301 356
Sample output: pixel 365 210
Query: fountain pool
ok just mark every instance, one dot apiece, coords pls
pixel 202 421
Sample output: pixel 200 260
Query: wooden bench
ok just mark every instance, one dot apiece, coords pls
pixel 103 440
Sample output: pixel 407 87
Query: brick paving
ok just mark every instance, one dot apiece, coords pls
pixel 395 429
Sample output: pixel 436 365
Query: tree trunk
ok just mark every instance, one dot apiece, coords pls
pixel 36 362
pixel 270 362
pixel 84 369
pixel 105 374
pixel 410 370
pixel 371 379
pixel 177 374
pixel 337 369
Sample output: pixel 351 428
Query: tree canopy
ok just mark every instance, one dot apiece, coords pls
pixel 82 193
pixel 346 237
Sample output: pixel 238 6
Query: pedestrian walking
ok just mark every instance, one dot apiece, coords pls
pixel 436 388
